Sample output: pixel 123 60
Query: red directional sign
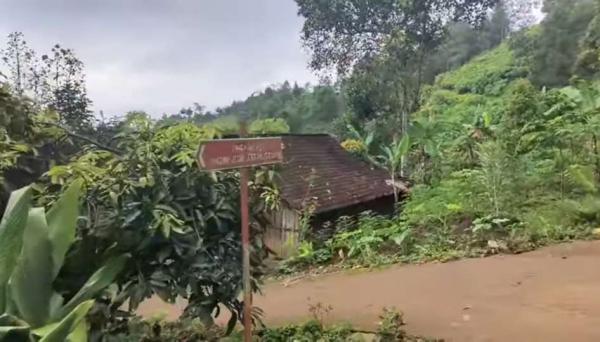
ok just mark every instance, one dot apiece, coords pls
pixel 237 153
pixel 241 154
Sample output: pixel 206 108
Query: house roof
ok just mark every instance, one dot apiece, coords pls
pixel 318 170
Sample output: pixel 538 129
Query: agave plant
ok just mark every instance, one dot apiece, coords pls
pixel 33 245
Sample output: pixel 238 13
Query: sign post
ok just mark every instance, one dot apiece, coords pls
pixel 227 154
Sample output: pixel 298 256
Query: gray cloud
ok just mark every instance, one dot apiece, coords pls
pixel 160 55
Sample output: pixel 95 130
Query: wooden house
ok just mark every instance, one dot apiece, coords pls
pixel 321 179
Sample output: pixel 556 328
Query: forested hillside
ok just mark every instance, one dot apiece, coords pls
pixel 502 152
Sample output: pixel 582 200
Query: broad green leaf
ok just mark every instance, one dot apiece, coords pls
pixel 97 282
pixel 12 227
pixel 56 303
pixel 404 145
pixel 80 334
pixel 69 324
pixel 62 223
pixel 45 330
pixel 31 282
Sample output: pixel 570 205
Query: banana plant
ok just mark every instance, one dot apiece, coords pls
pixel 393 158
pixel 33 246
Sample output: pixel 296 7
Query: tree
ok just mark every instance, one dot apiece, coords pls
pixel 180 224
pixel 385 44
pixel 65 88
pixel 54 81
pixel 18 58
pixel 342 32
pixel 522 13
pixel 499 26
pixel 557 46
pixel 588 61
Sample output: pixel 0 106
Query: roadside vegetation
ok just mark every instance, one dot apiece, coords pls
pixel 497 163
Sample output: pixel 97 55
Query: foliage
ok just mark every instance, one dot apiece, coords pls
pixel 308 109
pixel 522 13
pixel 391 328
pixel 271 126
pixel 393 158
pixel 587 65
pixel 180 224
pixel 557 47
pixel 353 146
pixel 155 330
pixel 34 246
pixel 587 205
pixel 486 74
pixel 343 33
pixel 492 159
pixel 55 81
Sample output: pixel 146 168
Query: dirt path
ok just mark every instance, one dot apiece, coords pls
pixel 548 295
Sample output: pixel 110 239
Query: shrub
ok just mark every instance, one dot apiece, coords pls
pixel 156 330
pixel 180 224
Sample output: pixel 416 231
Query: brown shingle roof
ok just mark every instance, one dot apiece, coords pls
pixel 318 169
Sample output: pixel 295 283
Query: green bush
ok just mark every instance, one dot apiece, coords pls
pixel 179 223
pixel 156 330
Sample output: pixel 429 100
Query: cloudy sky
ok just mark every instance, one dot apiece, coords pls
pixel 161 55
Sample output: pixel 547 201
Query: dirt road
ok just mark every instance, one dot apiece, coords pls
pixel 552 294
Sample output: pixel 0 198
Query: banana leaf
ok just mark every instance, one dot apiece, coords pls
pixel 97 282
pixel 62 224
pixel 62 331
pixel 12 226
pixel 31 282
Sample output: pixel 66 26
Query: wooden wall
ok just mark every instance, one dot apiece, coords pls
pixel 283 234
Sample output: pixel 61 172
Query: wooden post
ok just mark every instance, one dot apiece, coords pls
pixel 245 246
pixel 242 154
